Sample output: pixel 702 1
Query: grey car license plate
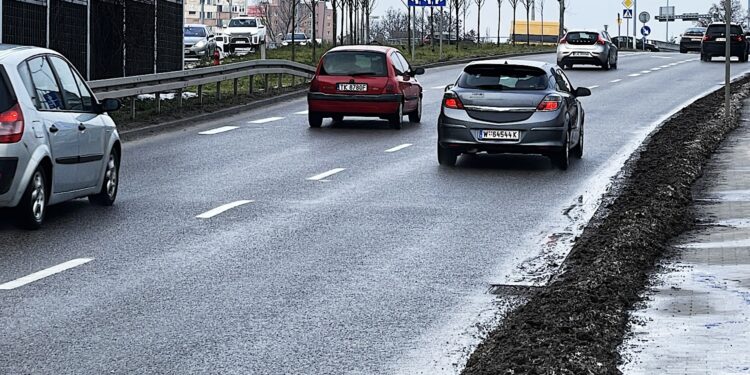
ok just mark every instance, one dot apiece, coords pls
pixel 503 135
pixel 580 54
pixel 352 87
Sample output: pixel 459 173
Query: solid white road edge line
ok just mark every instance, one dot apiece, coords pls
pixel 44 273
pixel 323 175
pixel 220 209
pixel 265 120
pixel 400 147
pixel 219 130
pixel 615 80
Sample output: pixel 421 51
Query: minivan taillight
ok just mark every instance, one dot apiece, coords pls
pixel 550 103
pixel 11 125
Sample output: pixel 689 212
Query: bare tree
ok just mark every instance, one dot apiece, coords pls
pixel 541 12
pixel 457 5
pixel 479 16
pixel 563 6
pixel 718 11
pixel 513 5
pixel 527 4
pixel 499 18
pixel 465 4
pixel 335 20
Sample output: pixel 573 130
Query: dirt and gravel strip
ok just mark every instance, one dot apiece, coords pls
pixel 575 324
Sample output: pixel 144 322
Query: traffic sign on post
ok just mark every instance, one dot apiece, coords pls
pixel 627 13
pixel 645 31
pixel 644 17
pixel 627 3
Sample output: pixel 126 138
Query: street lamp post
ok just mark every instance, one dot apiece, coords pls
pixel 727 57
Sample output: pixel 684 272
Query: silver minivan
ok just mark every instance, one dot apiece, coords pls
pixel 56 140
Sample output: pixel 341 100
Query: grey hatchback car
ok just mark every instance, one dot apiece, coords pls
pixel 511 106
pixel 56 140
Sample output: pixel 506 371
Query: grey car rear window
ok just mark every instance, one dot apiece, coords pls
pixel 6 96
pixel 503 77
pixel 582 37
pixel 350 63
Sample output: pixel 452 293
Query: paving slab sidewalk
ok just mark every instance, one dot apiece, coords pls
pixel 697 316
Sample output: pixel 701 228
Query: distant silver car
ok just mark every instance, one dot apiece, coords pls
pixel 588 48
pixel 198 41
pixel 56 140
pixel 511 106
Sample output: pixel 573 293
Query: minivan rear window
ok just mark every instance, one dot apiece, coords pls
pixel 715 30
pixel 503 77
pixel 354 63
pixel 6 95
pixel 582 37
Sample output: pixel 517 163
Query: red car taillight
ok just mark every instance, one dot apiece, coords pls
pixel 11 125
pixel 550 103
pixel 452 101
pixel 391 87
pixel 739 38
pixel 601 41
pixel 707 38
pixel 314 85
pixel 563 41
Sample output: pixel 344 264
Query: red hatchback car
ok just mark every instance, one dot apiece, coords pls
pixel 371 81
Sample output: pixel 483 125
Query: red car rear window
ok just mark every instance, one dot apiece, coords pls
pixel 354 63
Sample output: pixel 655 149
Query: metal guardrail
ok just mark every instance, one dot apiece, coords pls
pixel 171 81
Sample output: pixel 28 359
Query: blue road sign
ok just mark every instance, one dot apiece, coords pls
pixel 627 13
pixel 427 3
pixel 645 31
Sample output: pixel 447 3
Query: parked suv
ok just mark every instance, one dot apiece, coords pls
pixel 691 39
pixel 714 42
pixel 245 32
pixel 587 47
pixel 56 140
pixel 370 81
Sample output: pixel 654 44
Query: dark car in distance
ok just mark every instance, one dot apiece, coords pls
pixel 371 81
pixel 714 42
pixel 691 39
pixel 511 106
pixel 627 42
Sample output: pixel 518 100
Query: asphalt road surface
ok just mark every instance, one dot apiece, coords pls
pixel 361 271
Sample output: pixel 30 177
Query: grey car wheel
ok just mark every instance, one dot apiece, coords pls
pixel 108 192
pixel 446 157
pixel 33 206
pixel 562 159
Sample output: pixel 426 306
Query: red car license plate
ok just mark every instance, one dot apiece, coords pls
pixel 351 87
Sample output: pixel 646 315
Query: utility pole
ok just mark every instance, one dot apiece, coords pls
pixel 635 24
pixel 666 38
pixel 203 9
pixel 562 21
pixel 727 57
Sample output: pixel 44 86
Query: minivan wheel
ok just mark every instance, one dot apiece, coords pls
pixel 315 119
pixel 33 206
pixel 396 119
pixel 562 159
pixel 416 115
pixel 446 157
pixel 108 192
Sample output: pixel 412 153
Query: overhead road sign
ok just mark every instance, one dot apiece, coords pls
pixel 645 31
pixel 684 17
pixel 627 13
pixel 427 3
pixel 627 3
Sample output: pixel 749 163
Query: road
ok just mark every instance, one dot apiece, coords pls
pixel 377 268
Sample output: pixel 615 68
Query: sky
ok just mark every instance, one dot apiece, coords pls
pixel 588 14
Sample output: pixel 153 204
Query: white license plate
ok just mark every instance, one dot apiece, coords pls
pixel 352 87
pixel 505 135
pixel 721 39
pixel 580 54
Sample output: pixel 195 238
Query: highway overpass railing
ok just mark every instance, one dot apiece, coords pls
pixel 178 81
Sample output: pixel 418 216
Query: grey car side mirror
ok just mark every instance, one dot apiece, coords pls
pixel 582 91
pixel 109 105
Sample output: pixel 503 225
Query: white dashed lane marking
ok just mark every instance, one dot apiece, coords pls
pixel 645 71
pixel 219 130
pixel 323 175
pixel 44 273
pixel 634 75
pixel 301 112
pixel 593 87
pixel 266 120
pixel 220 209
pixel 615 80
pixel 397 148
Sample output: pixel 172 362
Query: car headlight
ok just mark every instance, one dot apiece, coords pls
pixel 200 44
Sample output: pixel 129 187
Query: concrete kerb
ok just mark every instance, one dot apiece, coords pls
pixel 249 106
